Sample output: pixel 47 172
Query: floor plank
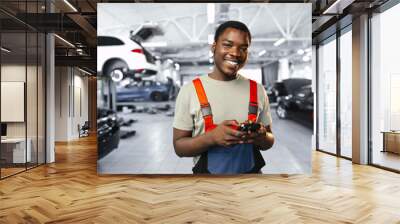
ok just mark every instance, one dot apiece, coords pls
pixel 70 191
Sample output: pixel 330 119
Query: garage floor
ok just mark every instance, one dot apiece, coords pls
pixel 150 151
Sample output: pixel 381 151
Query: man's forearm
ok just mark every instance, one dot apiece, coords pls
pixel 193 146
pixel 265 142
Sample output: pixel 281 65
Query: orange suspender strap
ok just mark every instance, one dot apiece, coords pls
pixel 204 104
pixel 253 104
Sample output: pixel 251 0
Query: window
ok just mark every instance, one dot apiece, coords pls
pixel 108 41
pixel 327 96
pixel 346 94
pixel 385 89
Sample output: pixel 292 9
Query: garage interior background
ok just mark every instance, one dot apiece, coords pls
pixel 171 46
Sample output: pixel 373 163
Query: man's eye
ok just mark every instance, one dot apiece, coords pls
pixel 227 45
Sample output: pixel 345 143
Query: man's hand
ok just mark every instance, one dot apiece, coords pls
pixel 262 138
pixel 225 135
pixel 250 137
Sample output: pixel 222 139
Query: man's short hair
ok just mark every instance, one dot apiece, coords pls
pixel 231 24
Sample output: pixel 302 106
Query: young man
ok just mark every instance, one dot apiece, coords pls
pixel 209 110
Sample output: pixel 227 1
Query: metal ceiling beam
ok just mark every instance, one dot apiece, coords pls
pixel 86 26
pixel 83 61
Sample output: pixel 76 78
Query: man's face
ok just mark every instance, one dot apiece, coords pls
pixel 230 51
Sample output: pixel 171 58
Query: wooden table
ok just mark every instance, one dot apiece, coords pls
pixel 14 150
pixel 391 141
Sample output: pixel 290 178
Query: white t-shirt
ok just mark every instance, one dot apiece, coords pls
pixel 229 100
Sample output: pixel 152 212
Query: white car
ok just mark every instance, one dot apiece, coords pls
pixel 119 57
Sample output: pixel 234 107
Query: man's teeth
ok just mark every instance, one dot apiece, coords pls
pixel 232 62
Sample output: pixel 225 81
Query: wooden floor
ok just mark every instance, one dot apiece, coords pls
pixel 70 191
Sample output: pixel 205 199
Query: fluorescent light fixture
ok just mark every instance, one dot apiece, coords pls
pixel 306 58
pixel 279 42
pixel 211 12
pixel 170 61
pixel 307 50
pixel 65 41
pixel 338 6
pixel 177 66
pixel 331 7
pixel 5 50
pixel 210 39
pixel 155 44
pixel 70 5
pixel 261 53
pixel 84 71
pixel 300 51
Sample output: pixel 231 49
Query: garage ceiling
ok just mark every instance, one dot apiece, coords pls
pixel 186 27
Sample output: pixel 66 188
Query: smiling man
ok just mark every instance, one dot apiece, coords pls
pixel 210 110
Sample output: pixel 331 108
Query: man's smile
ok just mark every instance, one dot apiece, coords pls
pixel 232 62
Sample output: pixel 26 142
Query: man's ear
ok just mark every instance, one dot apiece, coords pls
pixel 213 48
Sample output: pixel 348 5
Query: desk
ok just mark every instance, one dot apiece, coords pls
pixel 391 141
pixel 15 148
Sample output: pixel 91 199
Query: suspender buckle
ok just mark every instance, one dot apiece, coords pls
pixel 253 108
pixel 206 110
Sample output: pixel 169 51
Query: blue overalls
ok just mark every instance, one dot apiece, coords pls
pixel 237 159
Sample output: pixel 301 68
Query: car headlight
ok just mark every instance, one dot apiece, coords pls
pixel 288 97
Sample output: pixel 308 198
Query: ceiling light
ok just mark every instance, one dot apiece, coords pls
pixel 300 51
pixel 65 41
pixel 177 66
pixel 211 12
pixel 338 6
pixel 279 42
pixel 5 50
pixel 70 5
pixel 261 53
pixel 307 50
pixel 84 71
pixel 306 58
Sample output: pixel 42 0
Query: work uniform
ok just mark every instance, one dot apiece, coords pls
pixel 228 100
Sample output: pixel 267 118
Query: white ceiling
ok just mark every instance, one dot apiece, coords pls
pixel 186 29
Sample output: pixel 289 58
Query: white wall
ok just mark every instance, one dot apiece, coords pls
pixel 71 102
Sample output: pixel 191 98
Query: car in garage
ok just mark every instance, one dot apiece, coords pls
pixel 146 90
pixel 285 87
pixel 298 106
pixel 120 56
pixel 108 131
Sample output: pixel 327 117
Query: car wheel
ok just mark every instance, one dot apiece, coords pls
pixel 157 96
pixel 115 70
pixel 281 112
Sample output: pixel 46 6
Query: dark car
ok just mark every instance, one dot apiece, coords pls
pixel 285 87
pixel 298 106
pixel 108 131
pixel 146 90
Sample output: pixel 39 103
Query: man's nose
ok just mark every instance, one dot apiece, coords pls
pixel 234 51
